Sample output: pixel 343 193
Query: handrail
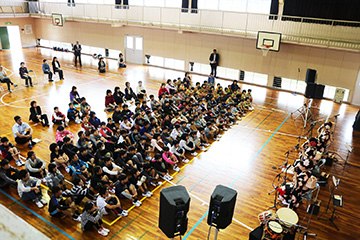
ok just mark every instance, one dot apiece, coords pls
pixel 330 33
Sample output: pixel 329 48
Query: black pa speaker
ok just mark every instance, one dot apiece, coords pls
pixel 310 90
pixel 221 209
pixel 319 91
pixel 310 76
pixel 174 206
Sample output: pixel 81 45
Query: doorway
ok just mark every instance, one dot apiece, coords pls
pixel 14 37
pixel 134 49
pixel 10 37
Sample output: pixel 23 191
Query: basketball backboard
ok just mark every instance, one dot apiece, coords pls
pixel 57 19
pixel 269 40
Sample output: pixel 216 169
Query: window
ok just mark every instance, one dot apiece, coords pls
pixel 233 5
pixel 174 64
pixel 154 3
pixel 129 42
pixel 256 78
pixel 138 43
pixel 173 3
pixel 157 61
pixel 293 85
pixel 114 53
pixel 329 92
pixel 346 95
pixel 208 4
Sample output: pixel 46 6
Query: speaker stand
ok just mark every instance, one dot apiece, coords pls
pixel 216 233
pixel 305 112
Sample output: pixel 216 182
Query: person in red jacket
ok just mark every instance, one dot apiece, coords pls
pixel 163 90
pixel 105 131
pixel 109 101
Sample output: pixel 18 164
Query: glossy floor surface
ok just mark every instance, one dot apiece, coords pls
pixel 242 159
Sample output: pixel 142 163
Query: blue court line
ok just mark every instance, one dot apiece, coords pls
pixel 200 181
pixel 237 177
pixel 37 215
pixel 180 179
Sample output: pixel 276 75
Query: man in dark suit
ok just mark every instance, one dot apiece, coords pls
pixel 214 61
pixel 77 52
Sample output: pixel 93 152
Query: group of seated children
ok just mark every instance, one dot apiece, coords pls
pixel 123 157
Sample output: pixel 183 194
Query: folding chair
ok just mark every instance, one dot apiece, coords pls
pixel 32 74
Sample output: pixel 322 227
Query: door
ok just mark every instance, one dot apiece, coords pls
pixel 4 38
pixel 134 49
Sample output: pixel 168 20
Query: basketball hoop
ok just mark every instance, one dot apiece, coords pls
pixel 265 49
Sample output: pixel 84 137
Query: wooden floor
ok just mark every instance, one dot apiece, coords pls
pixel 242 159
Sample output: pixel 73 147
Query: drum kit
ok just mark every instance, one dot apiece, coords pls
pixel 276 225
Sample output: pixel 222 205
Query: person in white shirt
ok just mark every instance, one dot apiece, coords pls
pixel 175 133
pixel 22 132
pixel 111 169
pixel 170 87
pixel 29 189
pixel 35 166
pixel 126 124
pixel 155 141
pixel 187 145
pixel 141 91
pixel 5 79
pixel 107 203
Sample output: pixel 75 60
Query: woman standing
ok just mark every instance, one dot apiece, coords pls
pixel 5 79
pixel 24 74
pixel 37 116
pixel 57 68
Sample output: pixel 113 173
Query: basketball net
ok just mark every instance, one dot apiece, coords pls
pixel 265 49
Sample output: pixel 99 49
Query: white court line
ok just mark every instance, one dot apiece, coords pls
pixel 269 131
pixel 206 203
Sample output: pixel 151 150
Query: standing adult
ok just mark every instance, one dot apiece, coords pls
pixel 77 53
pixel 214 62
pixel 24 74
pixel 57 68
pixel 22 132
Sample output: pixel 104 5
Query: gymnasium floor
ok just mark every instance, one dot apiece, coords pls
pixel 242 159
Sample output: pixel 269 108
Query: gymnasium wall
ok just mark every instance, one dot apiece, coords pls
pixel 27 40
pixel 335 68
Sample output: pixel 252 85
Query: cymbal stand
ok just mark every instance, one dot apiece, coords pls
pixel 276 192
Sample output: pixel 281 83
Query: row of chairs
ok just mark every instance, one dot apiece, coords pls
pixel 35 79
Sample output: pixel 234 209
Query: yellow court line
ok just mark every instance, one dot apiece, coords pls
pixel 132 207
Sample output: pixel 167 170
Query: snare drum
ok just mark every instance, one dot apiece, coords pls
pixel 272 230
pixel 287 218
